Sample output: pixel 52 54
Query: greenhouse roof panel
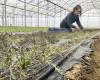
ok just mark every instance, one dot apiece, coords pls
pixel 45 6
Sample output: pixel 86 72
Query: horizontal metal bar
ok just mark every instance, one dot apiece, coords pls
pixel 24 9
pixel 58 5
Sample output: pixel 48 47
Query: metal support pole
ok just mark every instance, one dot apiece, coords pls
pixel 5 16
pixel 38 14
pixel 54 16
pixel 22 17
pixel 16 20
pixel 40 20
pixel 88 17
pixel 99 20
pixel 47 13
pixel 31 20
pixel 60 16
pixel 49 21
pixel 13 20
pixel 25 13
pixel 45 21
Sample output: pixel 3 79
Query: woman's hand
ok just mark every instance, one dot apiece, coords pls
pixel 76 29
pixel 79 29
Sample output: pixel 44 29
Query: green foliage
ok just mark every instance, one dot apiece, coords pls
pixel 25 61
pixel 21 29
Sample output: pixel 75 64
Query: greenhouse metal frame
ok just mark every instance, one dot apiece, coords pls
pixel 43 13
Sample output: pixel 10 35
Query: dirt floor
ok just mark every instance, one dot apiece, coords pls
pixel 95 74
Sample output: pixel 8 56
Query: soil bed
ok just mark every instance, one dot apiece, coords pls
pixel 95 75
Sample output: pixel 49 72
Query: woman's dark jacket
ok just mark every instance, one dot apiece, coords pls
pixel 69 20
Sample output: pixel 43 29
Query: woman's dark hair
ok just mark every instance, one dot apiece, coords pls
pixel 76 8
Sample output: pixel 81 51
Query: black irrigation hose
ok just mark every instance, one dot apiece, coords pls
pixel 84 42
pixel 41 74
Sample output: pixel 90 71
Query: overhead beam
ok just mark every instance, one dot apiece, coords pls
pixel 58 5
pixel 23 9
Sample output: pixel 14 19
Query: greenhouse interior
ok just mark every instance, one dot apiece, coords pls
pixel 46 13
pixel 34 45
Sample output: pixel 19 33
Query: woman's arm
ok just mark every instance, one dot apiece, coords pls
pixel 79 23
